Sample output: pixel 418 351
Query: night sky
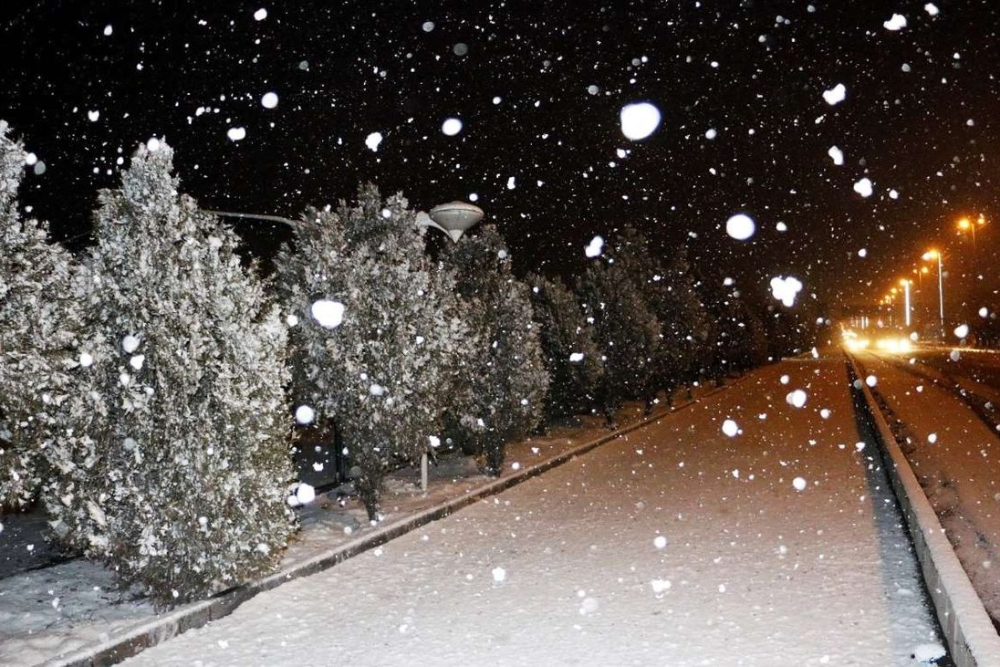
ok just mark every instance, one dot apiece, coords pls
pixel 920 117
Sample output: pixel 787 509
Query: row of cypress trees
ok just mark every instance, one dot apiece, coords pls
pixel 147 388
pixel 142 387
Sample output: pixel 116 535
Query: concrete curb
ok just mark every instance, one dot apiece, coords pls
pixel 171 624
pixel 972 639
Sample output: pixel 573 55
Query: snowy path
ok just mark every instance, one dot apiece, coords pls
pixel 754 572
pixel 957 460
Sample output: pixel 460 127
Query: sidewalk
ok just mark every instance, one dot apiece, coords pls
pixel 674 545
pixel 72 610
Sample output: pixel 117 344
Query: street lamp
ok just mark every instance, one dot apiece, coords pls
pixel 965 225
pixel 906 303
pixel 920 275
pixel 453 218
pixel 887 301
pixel 936 254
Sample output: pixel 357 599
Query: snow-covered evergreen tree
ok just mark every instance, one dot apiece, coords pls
pixel 669 289
pixel 379 343
pixel 791 331
pixel 685 319
pixel 508 380
pixel 737 339
pixel 572 357
pixel 39 323
pixel 180 485
pixel 626 330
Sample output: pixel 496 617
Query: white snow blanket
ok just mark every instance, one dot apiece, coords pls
pixel 677 545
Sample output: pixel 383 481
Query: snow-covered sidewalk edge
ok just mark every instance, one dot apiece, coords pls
pixel 171 624
pixel 971 637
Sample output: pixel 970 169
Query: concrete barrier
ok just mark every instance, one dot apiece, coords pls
pixel 968 629
pixel 171 624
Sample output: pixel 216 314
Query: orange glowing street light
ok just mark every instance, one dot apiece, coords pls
pixel 967 226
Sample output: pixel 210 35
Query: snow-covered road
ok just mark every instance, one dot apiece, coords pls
pixel 676 545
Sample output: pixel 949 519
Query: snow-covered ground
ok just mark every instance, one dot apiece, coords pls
pixel 50 612
pixel 676 545
pixel 956 457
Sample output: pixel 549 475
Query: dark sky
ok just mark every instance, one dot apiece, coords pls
pixel 754 71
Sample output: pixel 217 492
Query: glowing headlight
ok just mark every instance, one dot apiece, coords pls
pixel 856 343
pixel 894 345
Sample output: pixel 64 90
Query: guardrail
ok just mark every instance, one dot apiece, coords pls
pixel 968 629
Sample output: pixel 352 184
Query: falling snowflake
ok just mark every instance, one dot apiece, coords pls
pixel 305 414
pixel 595 247
pixel 373 140
pixel 130 343
pixel 897 22
pixel 785 289
pixel 835 95
pixel 741 227
pixel 328 314
pixel 269 100
pixel 797 398
pixel 639 120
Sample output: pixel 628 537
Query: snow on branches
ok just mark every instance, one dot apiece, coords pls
pixel 507 382
pixel 571 354
pixel 385 373
pixel 184 493
pixel 39 323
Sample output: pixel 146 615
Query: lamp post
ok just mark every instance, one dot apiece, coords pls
pixel 936 254
pixel 906 302
pixel 454 219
